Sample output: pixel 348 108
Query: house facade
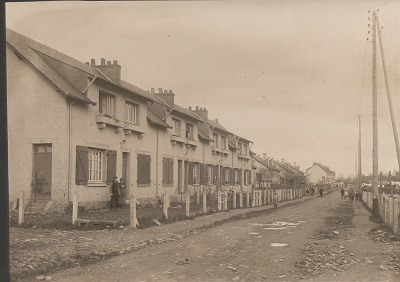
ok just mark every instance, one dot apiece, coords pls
pixel 73 126
pixel 319 174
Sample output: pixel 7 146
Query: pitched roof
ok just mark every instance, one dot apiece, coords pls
pixel 265 163
pixel 156 120
pixel 67 73
pixel 323 167
pixel 187 112
pixel 217 125
pixel 232 142
pixel 203 134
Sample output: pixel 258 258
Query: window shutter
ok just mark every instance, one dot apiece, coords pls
pixel 81 173
pixel 232 174
pixel 202 174
pixel 111 165
pixel 190 173
pixel 240 176
pixel 222 176
pixel 143 169
pixel 171 171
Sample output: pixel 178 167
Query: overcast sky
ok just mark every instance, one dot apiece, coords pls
pixel 289 75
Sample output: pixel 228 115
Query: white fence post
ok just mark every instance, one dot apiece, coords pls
pixel 21 208
pixel 132 211
pixel 165 205
pixel 253 202
pixel 240 199
pixel 219 201
pixel 226 200
pixel 204 202
pixel 247 199
pixel 188 204
pixel 74 207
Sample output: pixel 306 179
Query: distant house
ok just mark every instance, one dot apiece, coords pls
pixel 320 174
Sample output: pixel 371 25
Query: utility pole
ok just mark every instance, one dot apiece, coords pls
pixel 389 97
pixel 359 154
pixel 374 111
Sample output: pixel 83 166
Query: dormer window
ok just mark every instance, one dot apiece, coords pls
pixel 215 139
pixel 189 131
pixel 223 142
pixel 177 127
pixel 107 104
pixel 131 111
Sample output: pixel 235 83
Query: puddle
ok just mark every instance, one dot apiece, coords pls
pixel 279 245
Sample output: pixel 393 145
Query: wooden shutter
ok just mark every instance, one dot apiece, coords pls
pixel 240 176
pixel 202 174
pixel 205 174
pixel 82 162
pixel 222 175
pixel 111 165
pixel 143 169
pixel 170 171
pixel 190 173
pixel 232 174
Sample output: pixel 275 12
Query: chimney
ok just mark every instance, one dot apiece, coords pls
pixel 294 164
pixel 87 63
pixel 201 112
pixel 264 156
pixel 92 62
pixel 112 71
pixel 216 120
pixel 167 96
pixel 152 91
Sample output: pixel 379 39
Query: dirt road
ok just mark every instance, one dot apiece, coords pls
pixel 326 239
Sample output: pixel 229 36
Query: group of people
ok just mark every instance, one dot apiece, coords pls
pixel 118 193
pixel 311 191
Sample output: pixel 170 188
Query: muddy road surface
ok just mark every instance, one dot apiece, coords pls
pixel 325 239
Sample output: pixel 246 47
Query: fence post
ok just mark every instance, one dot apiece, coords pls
pixel 21 208
pixel 254 200
pixel 247 199
pixel 74 207
pixel 188 204
pixel 241 199
pixel 219 200
pixel 204 202
pixel 198 196
pixel 132 211
pixel 234 200
pixel 165 205
pixel 226 200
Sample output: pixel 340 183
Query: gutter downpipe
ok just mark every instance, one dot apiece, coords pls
pixel 69 148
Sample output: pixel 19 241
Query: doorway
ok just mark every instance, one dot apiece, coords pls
pixel 42 172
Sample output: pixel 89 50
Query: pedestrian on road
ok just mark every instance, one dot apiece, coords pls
pixel 115 192
pixel 275 200
pixel 346 194
pixel 307 190
pixel 321 191
pixel 342 192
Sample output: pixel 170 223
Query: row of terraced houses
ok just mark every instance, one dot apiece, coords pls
pixel 73 126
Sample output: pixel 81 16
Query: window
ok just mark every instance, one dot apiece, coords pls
pixel 226 175
pixel 95 165
pixel 196 173
pixel 143 169
pixel 244 149
pixel 215 139
pixel 189 131
pixel 107 104
pixel 168 171
pixel 223 142
pixel 247 177
pixel 209 174
pixel 177 127
pixel 236 176
pixel 131 111
pixel 240 146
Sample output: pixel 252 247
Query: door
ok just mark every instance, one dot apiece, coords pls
pixel 42 171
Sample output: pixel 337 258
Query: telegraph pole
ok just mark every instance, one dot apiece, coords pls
pixel 389 97
pixel 359 153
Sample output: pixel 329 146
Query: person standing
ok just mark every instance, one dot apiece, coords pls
pixel 115 192
pixel 122 190
pixel 275 200
pixel 342 192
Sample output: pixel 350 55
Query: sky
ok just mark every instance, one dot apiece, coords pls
pixel 291 76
